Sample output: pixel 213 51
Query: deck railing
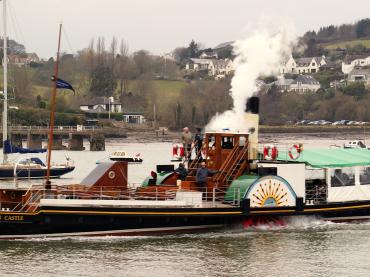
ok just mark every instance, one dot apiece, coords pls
pixel 31 199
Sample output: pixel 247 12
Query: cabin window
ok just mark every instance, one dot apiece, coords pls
pixel 242 141
pixel 211 143
pixel 227 142
pixel 341 177
pixel 365 176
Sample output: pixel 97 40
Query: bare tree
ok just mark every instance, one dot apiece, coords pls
pixel 122 66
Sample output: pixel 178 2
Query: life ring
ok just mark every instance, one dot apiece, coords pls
pixel 295 151
pixel 270 152
pixel 178 151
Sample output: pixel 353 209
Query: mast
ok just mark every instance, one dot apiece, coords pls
pixel 52 111
pixel 5 65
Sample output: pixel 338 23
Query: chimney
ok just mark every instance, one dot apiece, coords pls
pixel 252 118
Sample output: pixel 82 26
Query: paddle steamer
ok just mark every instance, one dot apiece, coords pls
pixel 253 185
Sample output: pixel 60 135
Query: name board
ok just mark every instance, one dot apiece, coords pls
pixel 11 218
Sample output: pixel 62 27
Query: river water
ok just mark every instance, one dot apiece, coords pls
pixel 303 247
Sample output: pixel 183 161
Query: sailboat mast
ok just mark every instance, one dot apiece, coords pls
pixel 5 65
pixel 52 111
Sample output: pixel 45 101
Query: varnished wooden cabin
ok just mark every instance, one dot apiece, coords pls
pixel 225 153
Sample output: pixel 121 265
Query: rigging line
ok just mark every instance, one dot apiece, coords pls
pixel 67 39
pixel 16 24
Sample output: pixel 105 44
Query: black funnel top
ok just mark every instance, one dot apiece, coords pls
pixel 253 104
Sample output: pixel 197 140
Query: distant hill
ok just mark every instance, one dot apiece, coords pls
pixel 346 44
pixel 344 32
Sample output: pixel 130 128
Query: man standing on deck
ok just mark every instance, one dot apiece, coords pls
pixel 198 141
pixel 202 174
pixel 187 139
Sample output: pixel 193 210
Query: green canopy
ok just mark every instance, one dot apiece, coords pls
pixel 330 157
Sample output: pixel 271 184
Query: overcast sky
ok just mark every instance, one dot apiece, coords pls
pixel 161 25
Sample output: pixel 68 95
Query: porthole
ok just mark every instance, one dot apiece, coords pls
pixel 111 174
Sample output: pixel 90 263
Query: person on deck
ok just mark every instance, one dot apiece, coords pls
pixel 198 141
pixel 201 177
pixel 186 138
pixel 182 172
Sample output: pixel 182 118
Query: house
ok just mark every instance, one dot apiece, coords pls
pixel 350 62
pixel 305 83
pixel 220 68
pixel 302 84
pixel 133 117
pixel 208 55
pixel 23 59
pixel 359 74
pixel 101 105
pixel 288 66
pixel 196 65
pixel 217 68
pixel 302 65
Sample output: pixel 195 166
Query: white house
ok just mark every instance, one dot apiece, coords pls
pixel 302 84
pixel 208 55
pixel 101 104
pixel 305 83
pixel 302 65
pixel 288 66
pixel 350 62
pixel 220 68
pixel 196 65
pixel 359 75
pixel 133 118
pixel 216 68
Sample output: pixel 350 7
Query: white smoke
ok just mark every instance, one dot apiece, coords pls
pixel 261 53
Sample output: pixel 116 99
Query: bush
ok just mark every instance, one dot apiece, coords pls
pixel 355 89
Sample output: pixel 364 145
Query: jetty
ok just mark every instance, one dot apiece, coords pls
pixel 34 135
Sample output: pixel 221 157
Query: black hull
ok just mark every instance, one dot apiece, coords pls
pixel 68 221
pixel 8 173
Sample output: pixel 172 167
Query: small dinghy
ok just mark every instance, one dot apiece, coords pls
pixel 121 156
pixel 355 144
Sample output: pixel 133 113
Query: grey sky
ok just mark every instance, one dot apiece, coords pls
pixel 161 25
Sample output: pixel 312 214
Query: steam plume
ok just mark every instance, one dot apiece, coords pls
pixel 259 54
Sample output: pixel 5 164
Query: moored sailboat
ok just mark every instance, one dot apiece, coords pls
pixel 30 167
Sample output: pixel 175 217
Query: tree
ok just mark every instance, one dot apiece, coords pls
pixel 193 49
pixel 122 69
pixel 178 115
pixel 180 54
pixel 102 81
pixel 142 60
pixel 363 28
pixel 355 89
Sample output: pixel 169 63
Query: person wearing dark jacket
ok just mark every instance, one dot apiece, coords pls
pixel 198 141
pixel 201 177
pixel 182 172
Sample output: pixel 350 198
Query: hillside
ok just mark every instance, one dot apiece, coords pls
pixel 346 44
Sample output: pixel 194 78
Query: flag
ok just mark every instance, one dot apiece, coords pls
pixel 62 84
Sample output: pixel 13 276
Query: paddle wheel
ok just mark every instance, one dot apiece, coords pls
pixel 263 221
